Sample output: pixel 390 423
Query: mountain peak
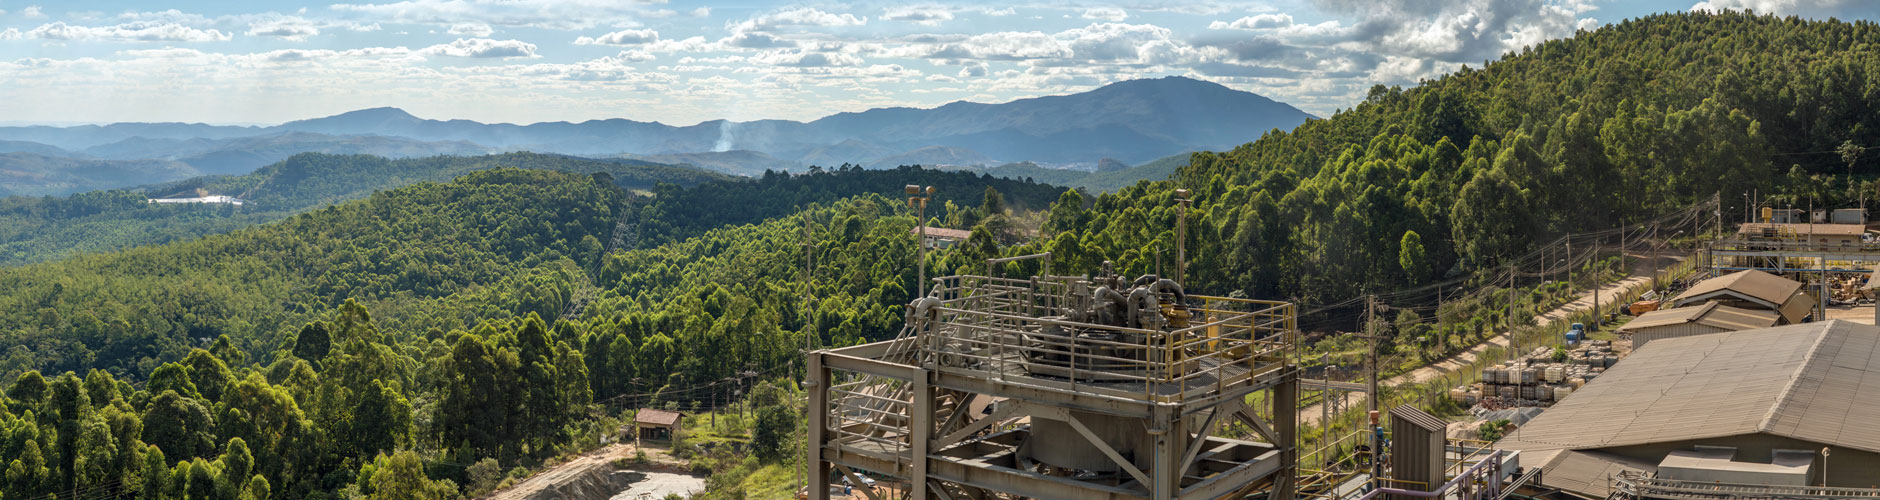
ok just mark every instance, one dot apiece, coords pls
pixel 380 113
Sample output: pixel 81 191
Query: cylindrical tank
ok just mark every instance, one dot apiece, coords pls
pixel 1055 442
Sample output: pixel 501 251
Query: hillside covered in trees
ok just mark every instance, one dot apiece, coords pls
pixel 425 322
pixel 44 228
pixel 1582 134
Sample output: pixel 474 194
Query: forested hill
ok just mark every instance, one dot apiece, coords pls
pixel 1573 135
pixel 676 213
pixel 40 229
pixel 309 357
pixel 129 311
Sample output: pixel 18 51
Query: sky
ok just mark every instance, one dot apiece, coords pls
pixel 682 62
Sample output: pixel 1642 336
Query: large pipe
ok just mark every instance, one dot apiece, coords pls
pixel 1166 285
pixel 1136 297
pixel 1107 302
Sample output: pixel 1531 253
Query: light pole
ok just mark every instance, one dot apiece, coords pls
pixel 1181 237
pixel 917 199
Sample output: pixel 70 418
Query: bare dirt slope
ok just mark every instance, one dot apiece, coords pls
pixel 591 476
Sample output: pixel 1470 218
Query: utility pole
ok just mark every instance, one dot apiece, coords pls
pixel 1511 303
pixel 1370 335
pixel 809 338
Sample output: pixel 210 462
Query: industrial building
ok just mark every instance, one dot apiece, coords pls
pixel 1709 317
pixel 1820 234
pixel 1740 414
pixel 1752 290
pixel 940 237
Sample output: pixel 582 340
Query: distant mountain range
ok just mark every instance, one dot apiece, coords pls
pixel 1132 122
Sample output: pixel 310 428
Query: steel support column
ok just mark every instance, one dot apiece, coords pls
pixel 818 385
pixel 1286 431
pixel 921 426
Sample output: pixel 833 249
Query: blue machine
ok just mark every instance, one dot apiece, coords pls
pixel 1576 334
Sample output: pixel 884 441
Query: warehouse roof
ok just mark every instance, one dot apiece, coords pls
pixel 662 418
pixel 1797 381
pixel 1708 314
pixel 1750 285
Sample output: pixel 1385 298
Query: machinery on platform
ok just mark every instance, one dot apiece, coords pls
pixel 1065 387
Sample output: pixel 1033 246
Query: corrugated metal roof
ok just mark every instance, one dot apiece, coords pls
pixel 1817 382
pixel 1710 313
pixel 1811 382
pixel 1584 472
pixel 1412 415
pixel 656 417
pixel 1754 285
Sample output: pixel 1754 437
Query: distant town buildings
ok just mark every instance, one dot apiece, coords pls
pixel 940 237
pixel 215 199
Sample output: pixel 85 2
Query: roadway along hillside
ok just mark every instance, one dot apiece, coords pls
pixel 1309 415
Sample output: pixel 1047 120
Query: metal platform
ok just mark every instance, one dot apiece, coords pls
pixel 991 374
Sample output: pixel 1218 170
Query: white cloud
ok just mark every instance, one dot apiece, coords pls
pixel 1124 43
pixel 545 14
pixel 692 44
pixel 926 16
pixel 974 70
pixel 1761 6
pixel 622 37
pixel 285 27
pixel 755 40
pixel 31 11
pixel 635 56
pixel 482 48
pixel 10 34
pixel 471 29
pixel 804 59
pixel 1470 30
pixel 1111 14
pixel 702 12
pixel 796 17
pixel 1004 45
pixel 1254 22
pixel 137 31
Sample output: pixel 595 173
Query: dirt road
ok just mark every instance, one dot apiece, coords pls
pixel 570 472
pixel 1309 415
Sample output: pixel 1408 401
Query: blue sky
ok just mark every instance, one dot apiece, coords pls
pixel 681 62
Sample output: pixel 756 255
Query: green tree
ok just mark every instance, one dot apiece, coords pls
pixel 30 388
pixel 313 342
pixel 1412 258
pixel 180 426
pixel 401 477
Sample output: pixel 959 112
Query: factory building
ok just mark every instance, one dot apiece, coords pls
pixel 1752 290
pixel 1755 408
pixel 1710 317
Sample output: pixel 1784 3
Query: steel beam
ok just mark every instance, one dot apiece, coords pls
pixel 818 467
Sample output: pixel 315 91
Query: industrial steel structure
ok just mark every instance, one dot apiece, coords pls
pixel 1064 387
